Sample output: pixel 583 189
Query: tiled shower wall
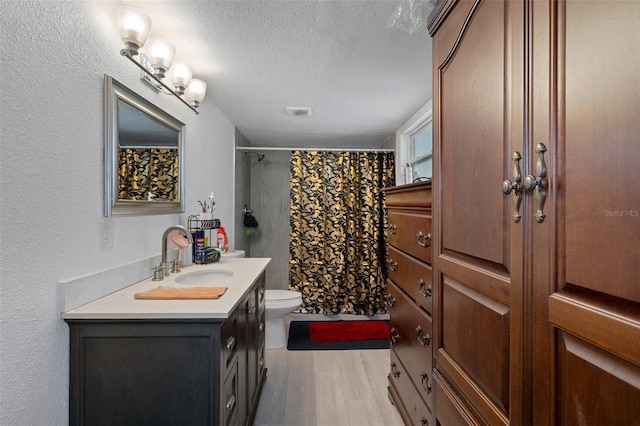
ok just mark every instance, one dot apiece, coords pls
pixel 270 204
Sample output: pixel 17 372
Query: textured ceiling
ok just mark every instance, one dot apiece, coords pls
pixel 361 76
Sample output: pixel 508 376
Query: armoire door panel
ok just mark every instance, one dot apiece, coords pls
pixel 601 183
pixel 475 336
pixel 451 411
pixel 478 249
pixel 472 130
pixel 594 387
pixel 613 330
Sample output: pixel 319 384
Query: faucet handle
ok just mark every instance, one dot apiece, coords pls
pixel 175 266
pixel 158 273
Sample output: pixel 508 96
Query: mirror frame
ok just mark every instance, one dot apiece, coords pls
pixel 113 92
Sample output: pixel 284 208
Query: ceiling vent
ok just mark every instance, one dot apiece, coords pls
pixel 298 111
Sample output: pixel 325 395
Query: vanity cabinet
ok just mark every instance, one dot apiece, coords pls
pixel 536 212
pixel 169 371
pixel 409 300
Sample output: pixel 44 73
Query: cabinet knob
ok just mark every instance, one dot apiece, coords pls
pixel 424 421
pixel 231 402
pixel 261 327
pixel 393 265
pixel 394 335
pixel 426 292
pixel 394 370
pixel 393 229
pixel 392 301
pixel 424 339
pixel 423 240
pixel 231 343
pixel 424 378
pixel 261 363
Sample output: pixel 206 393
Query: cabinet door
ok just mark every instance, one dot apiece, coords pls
pixel 587 249
pixel 477 264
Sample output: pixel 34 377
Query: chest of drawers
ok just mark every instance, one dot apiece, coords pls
pixel 409 288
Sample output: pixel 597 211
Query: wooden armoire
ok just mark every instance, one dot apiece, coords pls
pixel 536 212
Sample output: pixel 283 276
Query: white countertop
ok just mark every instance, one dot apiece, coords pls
pixel 122 304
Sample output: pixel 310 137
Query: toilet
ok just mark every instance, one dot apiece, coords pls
pixel 279 303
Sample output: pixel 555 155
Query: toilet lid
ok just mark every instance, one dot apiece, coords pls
pixel 281 295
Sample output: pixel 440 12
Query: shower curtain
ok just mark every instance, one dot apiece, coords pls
pixel 337 224
pixel 148 170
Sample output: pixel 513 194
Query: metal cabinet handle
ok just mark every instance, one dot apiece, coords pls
pixel 394 335
pixel 393 229
pixel 393 265
pixel 392 301
pixel 424 378
pixel 540 182
pixel 426 292
pixel 394 370
pixel 508 186
pixel 260 328
pixel 424 339
pixel 261 363
pixel 423 240
pixel 424 421
pixel 231 343
pixel 251 311
pixel 231 402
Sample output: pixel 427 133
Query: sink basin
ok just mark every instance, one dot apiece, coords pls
pixel 205 278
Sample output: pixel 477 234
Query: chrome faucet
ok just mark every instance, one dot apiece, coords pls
pixel 164 265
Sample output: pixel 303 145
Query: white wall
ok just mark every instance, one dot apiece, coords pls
pixel 51 194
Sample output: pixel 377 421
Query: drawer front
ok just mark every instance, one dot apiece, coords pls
pixel 229 343
pixel 413 195
pixel 229 402
pixel 415 407
pixel 410 231
pixel 412 276
pixel 411 339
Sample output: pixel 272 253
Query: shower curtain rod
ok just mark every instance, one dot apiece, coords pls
pixel 284 148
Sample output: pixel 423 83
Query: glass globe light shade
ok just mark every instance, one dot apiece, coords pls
pixel 160 54
pixel 133 28
pixel 195 92
pixel 180 75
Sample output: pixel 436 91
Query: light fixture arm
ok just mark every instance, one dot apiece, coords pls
pixel 126 53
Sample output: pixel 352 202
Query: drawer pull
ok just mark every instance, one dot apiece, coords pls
pixel 251 311
pixel 260 328
pixel 424 339
pixel 425 382
pixel 394 370
pixel 394 335
pixel 393 229
pixel 392 301
pixel 231 343
pixel 424 421
pixel 231 402
pixel 393 265
pixel 426 292
pixel 423 240
pixel 261 363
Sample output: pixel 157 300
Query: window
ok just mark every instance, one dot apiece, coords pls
pixel 421 152
pixel 414 146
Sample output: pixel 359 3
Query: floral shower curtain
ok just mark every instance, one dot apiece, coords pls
pixel 148 170
pixel 337 224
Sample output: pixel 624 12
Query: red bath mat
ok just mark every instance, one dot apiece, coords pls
pixel 340 331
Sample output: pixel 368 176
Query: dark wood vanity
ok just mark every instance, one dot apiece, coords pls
pixel 169 371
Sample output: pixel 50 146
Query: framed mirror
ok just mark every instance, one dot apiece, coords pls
pixel 144 155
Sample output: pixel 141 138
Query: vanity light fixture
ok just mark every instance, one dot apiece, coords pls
pixel 157 61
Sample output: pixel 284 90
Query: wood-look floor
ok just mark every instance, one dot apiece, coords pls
pixel 326 388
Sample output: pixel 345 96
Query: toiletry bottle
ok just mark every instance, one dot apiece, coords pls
pixel 408 173
pixel 199 257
